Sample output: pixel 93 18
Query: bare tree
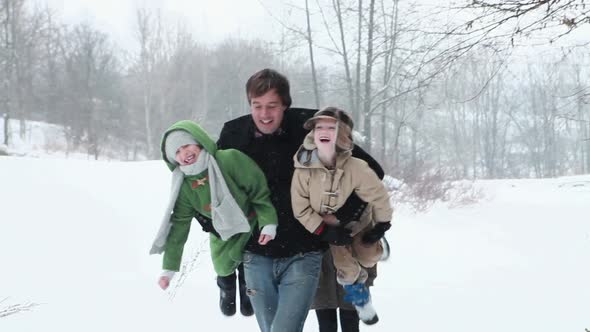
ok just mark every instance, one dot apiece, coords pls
pixel 52 69
pixel 530 16
pixel 6 120
pixel 150 41
pixel 367 97
pixel 94 86
pixel 344 53
pixel 390 25
pixel 12 11
pixel 582 118
pixel 233 61
pixel 357 115
pixel 311 58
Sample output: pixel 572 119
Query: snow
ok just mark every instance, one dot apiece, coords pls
pixel 75 235
pixel 44 140
pixel 38 140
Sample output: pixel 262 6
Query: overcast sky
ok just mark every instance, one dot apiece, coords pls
pixel 208 20
pixel 214 20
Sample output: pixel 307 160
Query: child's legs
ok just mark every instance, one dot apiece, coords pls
pixel 366 255
pixel 347 267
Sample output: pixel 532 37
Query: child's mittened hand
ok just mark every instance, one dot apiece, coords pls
pixel 164 282
pixel 264 239
pixel 376 233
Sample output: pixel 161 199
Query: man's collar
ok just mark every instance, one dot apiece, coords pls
pixel 281 131
pixel 257 133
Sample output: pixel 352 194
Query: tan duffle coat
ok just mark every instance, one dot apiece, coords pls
pixel 316 190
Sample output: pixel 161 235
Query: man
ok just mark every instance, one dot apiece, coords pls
pixel 282 276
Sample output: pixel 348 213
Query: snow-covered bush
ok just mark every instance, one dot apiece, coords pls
pixel 422 193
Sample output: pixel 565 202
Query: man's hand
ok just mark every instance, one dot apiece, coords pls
pixel 336 235
pixel 376 233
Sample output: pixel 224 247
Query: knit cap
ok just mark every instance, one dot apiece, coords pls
pixel 174 140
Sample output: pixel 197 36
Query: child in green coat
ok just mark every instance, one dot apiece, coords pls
pixel 228 193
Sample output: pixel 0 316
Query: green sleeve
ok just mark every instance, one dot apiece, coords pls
pixel 250 178
pixel 181 218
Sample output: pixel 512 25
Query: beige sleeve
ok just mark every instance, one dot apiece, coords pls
pixel 302 209
pixel 371 190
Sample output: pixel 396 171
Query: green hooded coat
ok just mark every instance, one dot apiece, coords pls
pixel 248 186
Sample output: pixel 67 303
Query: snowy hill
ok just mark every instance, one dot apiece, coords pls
pixel 74 237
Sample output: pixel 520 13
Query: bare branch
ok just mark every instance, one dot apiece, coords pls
pixel 15 308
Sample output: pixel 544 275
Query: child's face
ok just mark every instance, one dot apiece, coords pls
pixel 187 154
pixel 324 134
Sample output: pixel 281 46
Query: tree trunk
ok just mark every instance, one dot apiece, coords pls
pixel 13 10
pixel 587 135
pixel 368 73
pixel 311 58
pixel 583 126
pixel 390 43
pixel 357 100
pixel 351 107
pixel 6 120
pixel 145 36
pixel 8 79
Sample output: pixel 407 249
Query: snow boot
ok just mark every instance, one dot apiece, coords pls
pixel 367 313
pixel 358 294
pixel 227 294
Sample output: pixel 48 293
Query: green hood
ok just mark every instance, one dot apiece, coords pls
pixel 198 133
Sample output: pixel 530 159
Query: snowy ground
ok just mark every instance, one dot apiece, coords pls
pixel 74 237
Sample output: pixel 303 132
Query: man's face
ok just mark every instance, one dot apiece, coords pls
pixel 187 154
pixel 324 133
pixel 267 111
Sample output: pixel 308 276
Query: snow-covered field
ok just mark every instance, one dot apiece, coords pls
pixel 74 237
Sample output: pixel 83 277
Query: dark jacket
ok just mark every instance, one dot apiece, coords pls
pixel 274 154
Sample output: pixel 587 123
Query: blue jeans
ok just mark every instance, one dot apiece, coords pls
pixel 282 289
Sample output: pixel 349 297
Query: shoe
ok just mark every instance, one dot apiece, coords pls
pixel 245 304
pixel 227 295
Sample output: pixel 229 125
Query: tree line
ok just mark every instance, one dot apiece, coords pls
pixel 428 94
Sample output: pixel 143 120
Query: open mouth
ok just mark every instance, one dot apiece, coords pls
pixel 190 159
pixel 324 140
pixel 266 122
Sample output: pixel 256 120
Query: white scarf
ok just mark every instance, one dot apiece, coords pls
pixel 226 215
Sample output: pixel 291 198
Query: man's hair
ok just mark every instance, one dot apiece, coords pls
pixel 265 80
